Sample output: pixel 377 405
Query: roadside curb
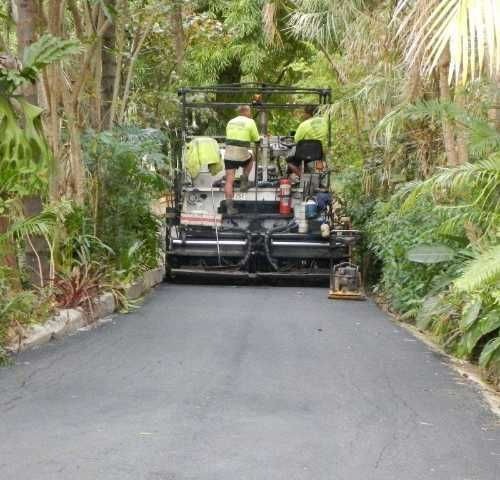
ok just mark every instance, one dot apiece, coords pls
pixel 149 280
pixel 69 321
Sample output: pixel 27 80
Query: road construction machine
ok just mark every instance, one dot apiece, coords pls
pixel 282 231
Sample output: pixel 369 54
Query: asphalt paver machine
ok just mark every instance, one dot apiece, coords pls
pixel 281 231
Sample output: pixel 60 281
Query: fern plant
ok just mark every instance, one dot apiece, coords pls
pixel 468 199
pixel 467 194
pixel 482 272
pixel 48 49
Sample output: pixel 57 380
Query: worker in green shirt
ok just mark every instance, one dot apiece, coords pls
pixel 241 131
pixel 312 128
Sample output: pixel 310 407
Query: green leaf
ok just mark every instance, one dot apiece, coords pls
pixel 46 50
pixel 429 254
pixel 6 18
pixel 470 313
pixel 468 28
pixel 487 324
pixel 426 312
pixel 480 272
pixel 490 351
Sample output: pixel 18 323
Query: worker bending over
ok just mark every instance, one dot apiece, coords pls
pixel 241 131
pixel 312 128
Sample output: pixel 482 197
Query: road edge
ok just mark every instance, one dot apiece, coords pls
pixel 465 369
pixel 69 321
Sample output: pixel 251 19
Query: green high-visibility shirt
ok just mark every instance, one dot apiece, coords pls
pixel 315 128
pixel 242 129
pixel 203 151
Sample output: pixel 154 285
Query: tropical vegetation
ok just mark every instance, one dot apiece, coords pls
pixel 88 97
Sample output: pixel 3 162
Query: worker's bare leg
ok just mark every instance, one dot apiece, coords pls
pixel 247 170
pixel 229 192
pixel 294 169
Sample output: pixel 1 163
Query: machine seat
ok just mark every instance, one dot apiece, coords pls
pixel 309 151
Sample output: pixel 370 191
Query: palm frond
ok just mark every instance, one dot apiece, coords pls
pixel 470 29
pixel 322 21
pixel 46 50
pixel 481 272
pixel 467 194
pixel 41 224
pixel 483 138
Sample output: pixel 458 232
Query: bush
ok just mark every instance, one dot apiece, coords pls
pixel 391 234
pixel 18 307
pixel 457 299
pixel 128 170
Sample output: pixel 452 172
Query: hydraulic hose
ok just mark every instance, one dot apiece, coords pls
pixel 245 259
pixel 267 242
pixel 248 236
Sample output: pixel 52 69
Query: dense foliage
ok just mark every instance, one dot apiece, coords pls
pixel 426 191
pixel 58 253
pixel 121 210
pixel 415 157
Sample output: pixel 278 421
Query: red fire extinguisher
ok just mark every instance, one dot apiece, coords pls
pixel 285 196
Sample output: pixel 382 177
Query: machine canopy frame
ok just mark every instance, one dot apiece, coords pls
pixel 264 90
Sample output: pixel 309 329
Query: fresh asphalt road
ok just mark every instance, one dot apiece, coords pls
pixel 243 383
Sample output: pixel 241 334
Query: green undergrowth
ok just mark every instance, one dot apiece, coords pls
pixel 438 256
pixel 81 251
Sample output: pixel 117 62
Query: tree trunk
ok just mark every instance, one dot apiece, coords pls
pixel 445 96
pixel 26 18
pixel 74 187
pixel 414 83
pixel 119 48
pixel 462 140
pixel 494 110
pixel 53 85
pixel 109 68
pixel 97 106
pixel 178 35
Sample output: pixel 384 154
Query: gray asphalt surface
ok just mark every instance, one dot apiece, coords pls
pixel 243 383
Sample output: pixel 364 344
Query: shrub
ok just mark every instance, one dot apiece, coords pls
pixel 391 234
pixel 457 299
pixel 128 170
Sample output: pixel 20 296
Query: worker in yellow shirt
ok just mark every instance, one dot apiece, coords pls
pixel 312 128
pixel 241 131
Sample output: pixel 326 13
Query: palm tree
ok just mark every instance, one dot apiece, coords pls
pixel 467 30
pixel 324 21
pixel 459 40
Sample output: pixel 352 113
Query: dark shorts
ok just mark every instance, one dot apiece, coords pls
pixel 234 165
pixel 291 160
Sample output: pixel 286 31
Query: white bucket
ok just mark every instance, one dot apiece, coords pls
pixel 299 210
pixel 303 226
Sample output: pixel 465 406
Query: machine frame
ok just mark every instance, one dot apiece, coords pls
pixel 260 243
